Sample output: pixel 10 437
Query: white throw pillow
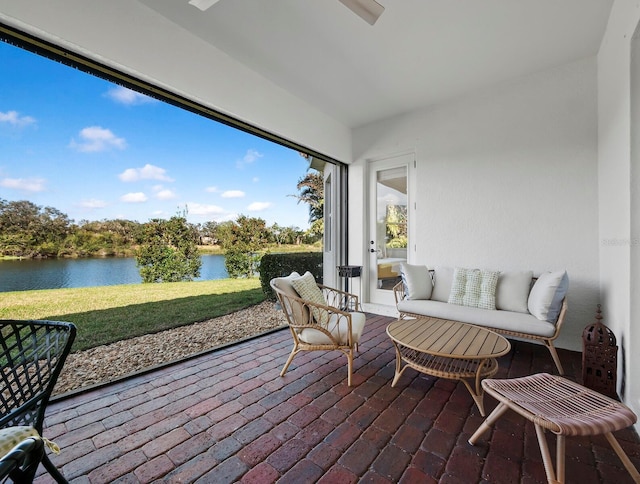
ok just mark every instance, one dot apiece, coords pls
pixel 512 291
pixel 545 299
pixel 417 281
pixel 284 284
pixel 474 288
pixel 442 280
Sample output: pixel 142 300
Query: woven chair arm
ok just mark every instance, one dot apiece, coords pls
pixel 560 320
pixel 398 292
pixel 313 314
pixel 297 328
pixel 325 307
pixel 340 299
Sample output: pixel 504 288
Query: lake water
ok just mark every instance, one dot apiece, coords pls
pixel 25 275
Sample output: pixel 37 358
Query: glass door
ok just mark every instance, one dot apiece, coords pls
pixel 389 225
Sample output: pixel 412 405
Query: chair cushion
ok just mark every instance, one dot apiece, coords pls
pixel 307 287
pixel 547 294
pixel 337 326
pixel 417 281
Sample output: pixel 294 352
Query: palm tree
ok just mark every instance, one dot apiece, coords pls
pixel 311 188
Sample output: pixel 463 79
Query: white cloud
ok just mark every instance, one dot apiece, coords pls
pixel 233 194
pixel 147 172
pixel 93 203
pixel 249 157
pixel 128 97
pixel 24 184
pixel 258 206
pixel 95 138
pixel 203 209
pixel 14 119
pixel 166 194
pixel 227 217
pixel 211 189
pixel 135 197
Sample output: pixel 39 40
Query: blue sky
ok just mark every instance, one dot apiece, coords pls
pixel 97 151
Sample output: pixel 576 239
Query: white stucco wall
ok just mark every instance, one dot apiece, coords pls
pixel 618 125
pixel 506 179
pixel 131 38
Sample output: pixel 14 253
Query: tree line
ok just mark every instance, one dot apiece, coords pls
pixel 165 250
pixel 31 231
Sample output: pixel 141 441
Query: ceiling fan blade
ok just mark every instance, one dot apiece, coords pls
pixel 203 4
pixel 368 10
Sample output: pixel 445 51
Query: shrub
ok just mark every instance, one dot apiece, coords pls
pixel 169 252
pixel 277 265
pixel 240 263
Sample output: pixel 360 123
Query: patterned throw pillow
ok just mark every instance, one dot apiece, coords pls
pixel 308 289
pixel 474 288
pixel 12 436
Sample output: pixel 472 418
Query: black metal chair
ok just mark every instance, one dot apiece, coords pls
pixel 32 354
pixel 21 463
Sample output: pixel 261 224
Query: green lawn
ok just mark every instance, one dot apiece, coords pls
pixel 111 313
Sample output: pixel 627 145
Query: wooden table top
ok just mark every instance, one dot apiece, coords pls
pixel 441 337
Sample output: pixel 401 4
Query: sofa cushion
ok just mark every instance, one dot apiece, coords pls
pixel 495 319
pixel 442 280
pixel 474 288
pixel 545 299
pixel 417 281
pixel 512 291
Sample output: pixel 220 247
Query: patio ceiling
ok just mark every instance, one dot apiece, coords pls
pixel 420 52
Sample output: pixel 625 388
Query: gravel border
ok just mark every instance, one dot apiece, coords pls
pixel 105 363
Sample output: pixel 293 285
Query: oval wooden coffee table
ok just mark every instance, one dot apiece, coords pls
pixel 448 349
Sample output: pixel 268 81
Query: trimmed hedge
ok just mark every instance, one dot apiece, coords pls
pixel 278 265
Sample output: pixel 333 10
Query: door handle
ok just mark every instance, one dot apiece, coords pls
pixel 372 250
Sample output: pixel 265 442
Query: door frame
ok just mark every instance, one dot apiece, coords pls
pixel 407 159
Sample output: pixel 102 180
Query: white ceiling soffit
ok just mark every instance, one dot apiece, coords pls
pixel 418 53
pixel 203 4
pixel 367 10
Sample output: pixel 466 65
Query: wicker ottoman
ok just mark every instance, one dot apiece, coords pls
pixel 563 407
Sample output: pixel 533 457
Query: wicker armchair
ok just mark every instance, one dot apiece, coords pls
pixel 336 325
pixel 32 354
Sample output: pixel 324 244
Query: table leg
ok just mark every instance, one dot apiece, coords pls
pixel 475 386
pixel 399 368
pixel 478 398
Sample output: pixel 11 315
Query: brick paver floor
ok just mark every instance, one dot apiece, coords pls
pixel 227 416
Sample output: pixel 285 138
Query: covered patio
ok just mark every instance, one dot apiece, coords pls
pixel 227 416
pixel 516 123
